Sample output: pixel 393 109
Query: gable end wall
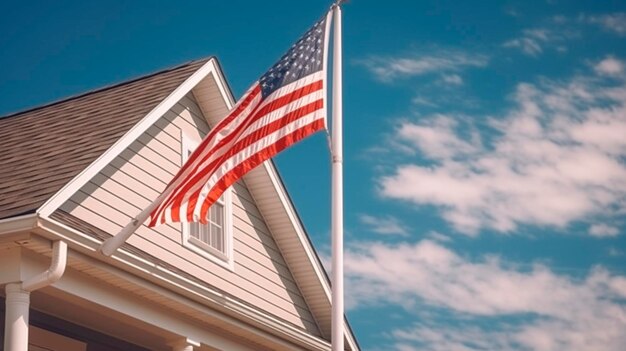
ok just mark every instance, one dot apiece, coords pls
pixel 129 183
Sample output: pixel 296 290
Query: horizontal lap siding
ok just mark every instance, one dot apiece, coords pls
pixel 128 184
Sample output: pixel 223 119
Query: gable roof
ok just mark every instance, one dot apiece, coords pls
pixel 162 90
pixel 45 147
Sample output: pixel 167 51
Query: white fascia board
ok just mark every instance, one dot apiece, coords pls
pixel 266 325
pixel 229 99
pixel 124 142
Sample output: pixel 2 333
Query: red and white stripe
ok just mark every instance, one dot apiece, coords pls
pixel 254 131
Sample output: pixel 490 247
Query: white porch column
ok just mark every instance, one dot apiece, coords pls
pixel 16 318
pixel 18 299
pixel 183 344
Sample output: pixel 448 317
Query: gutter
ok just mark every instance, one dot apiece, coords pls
pixel 14 226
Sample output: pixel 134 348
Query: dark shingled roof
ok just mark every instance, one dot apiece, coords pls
pixel 43 148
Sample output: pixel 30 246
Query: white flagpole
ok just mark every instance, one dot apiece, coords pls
pixel 110 245
pixel 337 190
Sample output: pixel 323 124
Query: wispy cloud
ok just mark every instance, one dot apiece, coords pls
pixel 555 311
pixel 614 22
pixel 610 66
pixel 436 236
pixel 386 225
pixel 530 43
pixel 452 79
pixel 388 68
pixel 556 157
pixel 533 41
pixel 603 230
pixel 423 101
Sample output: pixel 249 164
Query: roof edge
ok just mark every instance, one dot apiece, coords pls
pixel 57 199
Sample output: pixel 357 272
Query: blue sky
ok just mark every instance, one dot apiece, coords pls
pixel 485 149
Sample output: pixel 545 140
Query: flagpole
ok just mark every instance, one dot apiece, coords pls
pixel 337 190
pixel 110 245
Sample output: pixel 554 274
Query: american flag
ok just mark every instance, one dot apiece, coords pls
pixel 283 107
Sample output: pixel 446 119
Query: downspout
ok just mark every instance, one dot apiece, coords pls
pixel 18 299
pixel 57 267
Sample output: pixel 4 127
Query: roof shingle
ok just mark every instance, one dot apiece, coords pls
pixel 45 147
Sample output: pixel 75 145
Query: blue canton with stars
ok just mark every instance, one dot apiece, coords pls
pixel 306 56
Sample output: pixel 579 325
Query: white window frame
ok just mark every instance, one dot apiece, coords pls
pixel 224 259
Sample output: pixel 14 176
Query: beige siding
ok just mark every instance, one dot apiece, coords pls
pixel 260 276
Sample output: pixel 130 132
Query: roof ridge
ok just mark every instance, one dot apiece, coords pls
pixel 106 87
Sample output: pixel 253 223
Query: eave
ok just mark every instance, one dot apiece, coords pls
pixel 165 288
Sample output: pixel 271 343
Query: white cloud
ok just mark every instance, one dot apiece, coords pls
pixel 452 79
pixel 530 42
pixel 387 225
pixel 529 46
pixel 603 230
pixel 533 41
pixel 389 68
pixel 436 236
pixel 423 101
pixel 610 66
pixel 437 137
pixel 555 158
pixel 615 22
pixel 554 312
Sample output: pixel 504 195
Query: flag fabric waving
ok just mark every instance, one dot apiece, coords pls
pixel 284 106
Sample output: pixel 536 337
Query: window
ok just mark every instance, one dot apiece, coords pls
pixel 214 239
pixel 211 234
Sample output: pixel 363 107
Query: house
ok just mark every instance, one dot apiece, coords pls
pixel 73 172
